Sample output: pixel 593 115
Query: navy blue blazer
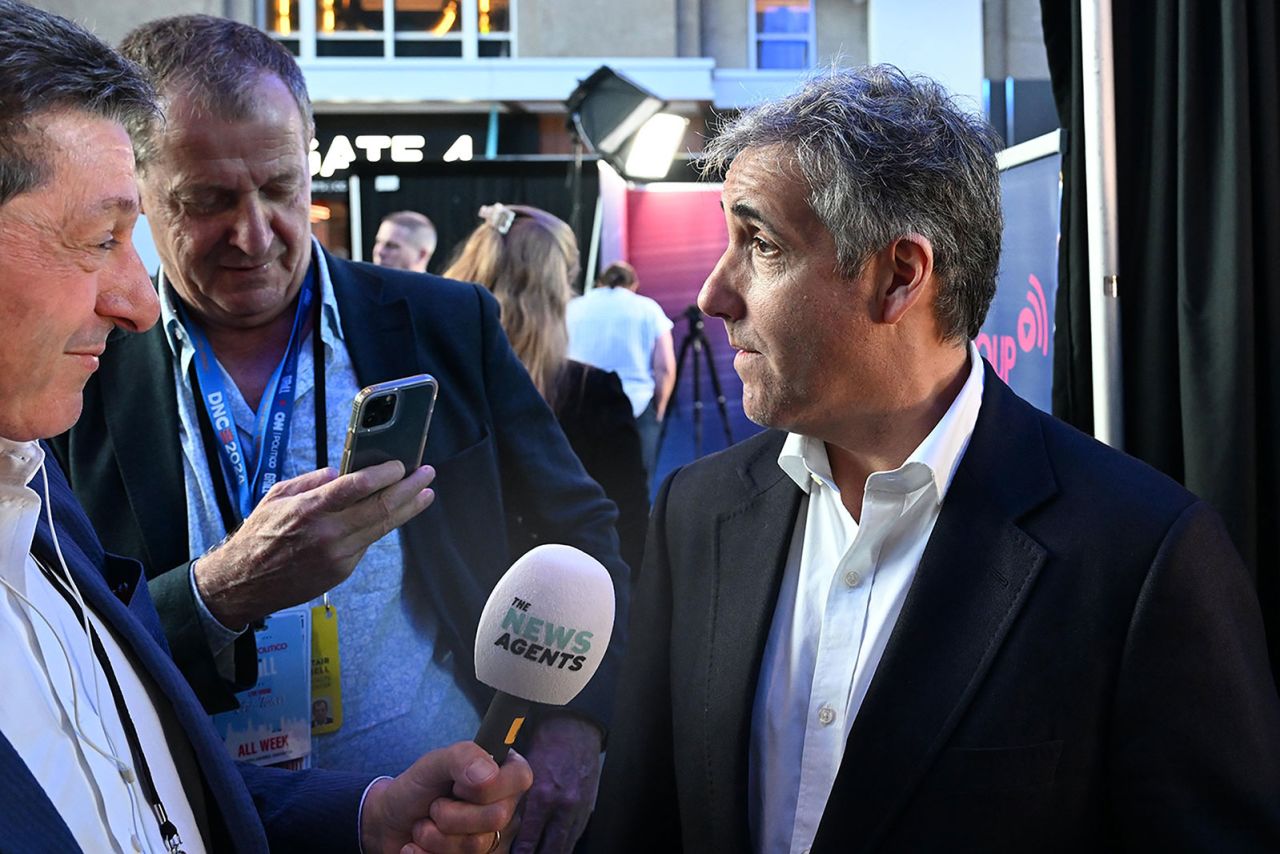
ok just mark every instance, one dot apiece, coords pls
pixel 1078 666
pixel 498 453
pixel 247 807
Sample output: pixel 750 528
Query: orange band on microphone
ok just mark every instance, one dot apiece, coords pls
pixel 511 733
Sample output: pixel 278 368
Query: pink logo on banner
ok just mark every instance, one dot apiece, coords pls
pixel 1032 333
pixel 1033 321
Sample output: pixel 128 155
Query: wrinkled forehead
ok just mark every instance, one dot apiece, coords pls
pixel 190 108
pixel 197 146
pixel 191 97
pixel 71 143
pixel 764 182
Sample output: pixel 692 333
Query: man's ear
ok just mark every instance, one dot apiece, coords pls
pixel 910 269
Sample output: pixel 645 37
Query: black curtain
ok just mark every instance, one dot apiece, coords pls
pixel 1198 176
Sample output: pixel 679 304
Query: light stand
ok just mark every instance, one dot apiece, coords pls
pixel 696 349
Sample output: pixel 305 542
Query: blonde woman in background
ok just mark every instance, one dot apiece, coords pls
pixel 529 259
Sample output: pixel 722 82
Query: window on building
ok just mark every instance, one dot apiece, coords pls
pixel 466 29
pixel 428 28
pixel 281 20
pixel 350 27
pixel 494 27
pixel 782 34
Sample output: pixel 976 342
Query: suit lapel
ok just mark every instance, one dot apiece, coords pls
pixel 751 545
pixel 377 327
pixel 142 422
pixel 975 575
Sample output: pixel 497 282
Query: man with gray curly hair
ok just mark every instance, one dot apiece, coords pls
pixel 919 614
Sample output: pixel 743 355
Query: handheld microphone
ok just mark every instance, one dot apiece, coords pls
pixel 542 635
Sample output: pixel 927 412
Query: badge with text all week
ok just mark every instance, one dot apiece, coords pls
pixel 273 724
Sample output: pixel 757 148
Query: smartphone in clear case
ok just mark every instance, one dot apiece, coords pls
pixel 389 421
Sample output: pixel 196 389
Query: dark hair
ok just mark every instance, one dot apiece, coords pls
pixel 617 274
pixel 884 156
pixel 51 64
pixel 217 62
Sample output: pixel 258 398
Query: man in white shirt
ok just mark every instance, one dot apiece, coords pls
pixel 919 614
pixel 103 746
pixel 616 329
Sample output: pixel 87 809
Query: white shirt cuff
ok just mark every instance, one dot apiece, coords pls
pixel 360 813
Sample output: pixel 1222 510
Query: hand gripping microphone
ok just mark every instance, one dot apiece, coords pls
pixel 543 633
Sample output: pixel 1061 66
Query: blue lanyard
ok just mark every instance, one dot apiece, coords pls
pixel 275 410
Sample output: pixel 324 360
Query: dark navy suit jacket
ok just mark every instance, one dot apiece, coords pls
pixel 247 807
pixel 1078 666
pixel 500 458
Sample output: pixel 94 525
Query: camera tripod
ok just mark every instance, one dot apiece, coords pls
pixel 695 345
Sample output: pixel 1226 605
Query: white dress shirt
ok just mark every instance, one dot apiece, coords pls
pixel 38 715
pixel 841 594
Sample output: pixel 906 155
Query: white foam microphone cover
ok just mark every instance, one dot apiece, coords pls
pixel 546 626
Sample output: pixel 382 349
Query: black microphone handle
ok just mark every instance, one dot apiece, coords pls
pixel 501 724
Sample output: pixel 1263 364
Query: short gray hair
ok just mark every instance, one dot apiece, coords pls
pixel 419 225
pixel 217 62
pixel 884 156
pixel 51 64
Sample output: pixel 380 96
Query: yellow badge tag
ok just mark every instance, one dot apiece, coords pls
pixel 326 671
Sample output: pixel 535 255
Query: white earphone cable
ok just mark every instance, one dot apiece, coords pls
pixel 125 769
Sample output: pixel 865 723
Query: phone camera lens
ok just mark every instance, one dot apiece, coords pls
pixel 379 412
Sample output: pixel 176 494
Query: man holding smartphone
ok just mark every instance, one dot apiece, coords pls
pixel 223 423
pixel 103 745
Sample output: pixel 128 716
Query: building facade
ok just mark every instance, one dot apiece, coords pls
pixel 441 105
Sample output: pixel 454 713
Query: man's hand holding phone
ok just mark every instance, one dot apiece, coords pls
pixel 308 533
pixel 389 421
pixel 305 537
